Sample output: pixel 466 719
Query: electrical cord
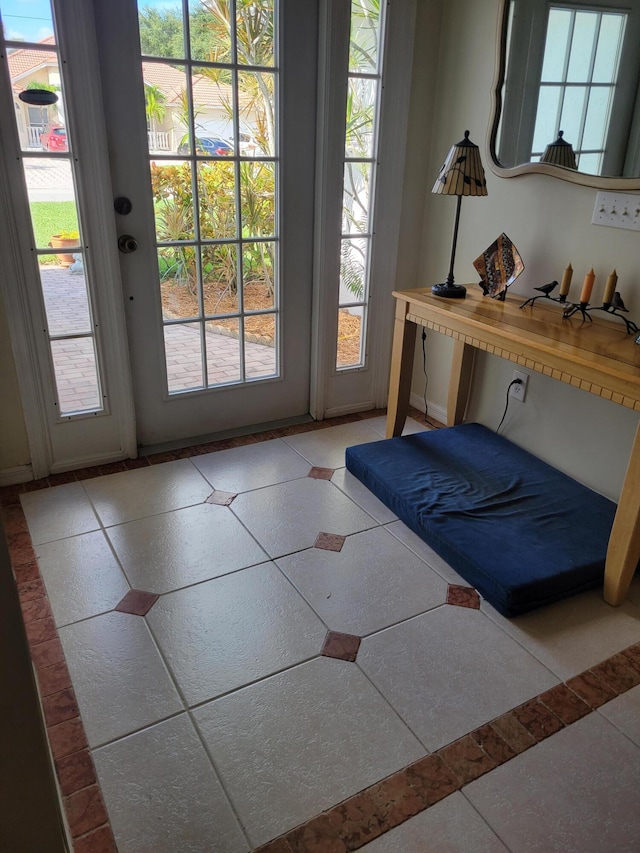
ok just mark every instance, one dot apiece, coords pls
pixel 504 414
pixel 426 382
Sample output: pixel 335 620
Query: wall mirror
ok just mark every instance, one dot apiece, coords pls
pixel 572 67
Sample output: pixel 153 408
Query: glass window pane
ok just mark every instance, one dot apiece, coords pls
pixel 546 128
pixel 183 353
pixel 260 346
pixel 361 104
pixel 220 279
pixel 353 266
pixel 54 214
pixel 65 298
pixel 40 127
pixel 605 69
pixel 597 121
pixel 258 275
pixel 172 202
pixel 350 337
pixel 161 29
pixel 178 282
pixel 256 105
pixel 258 198
pixel 165 96
pixel 584 34
pixel 76 375
pixel 213 111
pixel 556 45
pixel 355 198
pixel 365 31
pixel 210 30
pixel 223 352
pixel 25 21
pixel 217 199
pixel 590 163
pixel 255 32
pixel 574 101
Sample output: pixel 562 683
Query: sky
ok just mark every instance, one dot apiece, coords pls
pixel 31 20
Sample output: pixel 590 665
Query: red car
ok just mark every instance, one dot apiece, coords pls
pixel 54 139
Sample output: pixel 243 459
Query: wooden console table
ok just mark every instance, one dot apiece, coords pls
pixel 598 357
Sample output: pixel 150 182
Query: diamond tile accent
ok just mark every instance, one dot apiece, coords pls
pixel 220 498
pixel 329 541
pixel 463 596
pixel 321 473
pixel 137 602
pixel 341 646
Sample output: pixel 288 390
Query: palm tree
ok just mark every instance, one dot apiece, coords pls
pixel 154 103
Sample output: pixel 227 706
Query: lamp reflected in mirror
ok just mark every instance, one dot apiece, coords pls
pixel 560 153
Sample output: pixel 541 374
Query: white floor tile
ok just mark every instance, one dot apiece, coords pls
pixel 82 577
pixel 624 713
pixel 254 466
pixel 225 633
pixel 288 517
pixel 411 426
pixel 123 497
pixel 58 512
pixel 310 737
pixel 373 582
pixel 358 492
pixel 419 547
pixel 575 634
pixel 120 680
pixel 576 792
pixel 163 795
pixel 325 447
pixel 449 671
pixel 451 826
pixel 176 549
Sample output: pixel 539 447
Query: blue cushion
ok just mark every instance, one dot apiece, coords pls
pixel 518 530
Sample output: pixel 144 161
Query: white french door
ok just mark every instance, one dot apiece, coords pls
pixel 222 140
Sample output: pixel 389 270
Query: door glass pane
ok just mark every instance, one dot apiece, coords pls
pixel 258 276
pixel 28 22
pixel 259 346
pixel 363 44
pixel 605 69
pixel 162 30
pixel 56 221
pixel 221 125
pixel 355 199
pixel 223 352
pixel 574 102
pixel 557 42
pixel 210 30
pixel 183 348
pixel 76 375
pixel 350 337
pixel 546 128
pixel 597 117
pixel 220 279
pixel 255 31
pixel 353 268
pixel 584 34
pixel 361 105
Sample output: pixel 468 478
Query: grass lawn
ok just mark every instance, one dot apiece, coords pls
pixel 49 218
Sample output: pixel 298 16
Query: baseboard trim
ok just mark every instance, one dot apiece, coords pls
pixel 339 411
pixel 437 413
pixel 13 476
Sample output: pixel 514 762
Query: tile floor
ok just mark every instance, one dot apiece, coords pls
pixel 215 722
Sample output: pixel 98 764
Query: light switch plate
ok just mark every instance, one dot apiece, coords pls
pixel 617 210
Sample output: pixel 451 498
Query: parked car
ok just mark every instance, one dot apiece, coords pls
pixel 54 139
pixel 208 145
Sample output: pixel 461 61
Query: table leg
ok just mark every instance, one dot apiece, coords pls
pixel 624 543
pixel 404 340
pixel 460 381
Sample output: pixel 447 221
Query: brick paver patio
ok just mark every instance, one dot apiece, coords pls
pixel 67 312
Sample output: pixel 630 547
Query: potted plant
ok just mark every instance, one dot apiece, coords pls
pixel 65 240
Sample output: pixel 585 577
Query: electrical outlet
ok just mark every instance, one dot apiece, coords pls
pixel 617 210
pixel 519 392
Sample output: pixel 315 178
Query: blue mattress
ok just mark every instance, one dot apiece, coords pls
pixel 521 532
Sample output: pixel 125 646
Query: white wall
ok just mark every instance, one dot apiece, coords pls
pixel 550 222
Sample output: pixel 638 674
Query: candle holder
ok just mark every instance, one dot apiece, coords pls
pixel 546 290
pixel 612 308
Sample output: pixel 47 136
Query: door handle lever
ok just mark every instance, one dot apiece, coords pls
pixel 127 244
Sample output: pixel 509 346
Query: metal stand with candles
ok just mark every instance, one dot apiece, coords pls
pixel 547 289
pixel 611 308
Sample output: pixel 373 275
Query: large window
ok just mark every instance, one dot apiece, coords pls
pixel 210 75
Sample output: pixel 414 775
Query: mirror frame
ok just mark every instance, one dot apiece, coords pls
pixel 599 182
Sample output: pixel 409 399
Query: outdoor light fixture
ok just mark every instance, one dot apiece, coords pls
pixel 560 153
pixel 462 174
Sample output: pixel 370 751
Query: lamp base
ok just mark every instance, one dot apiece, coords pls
pixel 449 291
